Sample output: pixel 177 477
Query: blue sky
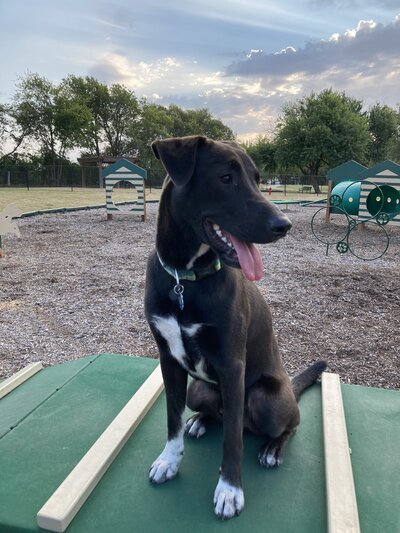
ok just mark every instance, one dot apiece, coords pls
pixel 241 59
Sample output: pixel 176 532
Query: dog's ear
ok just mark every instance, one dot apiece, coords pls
pixel 178 155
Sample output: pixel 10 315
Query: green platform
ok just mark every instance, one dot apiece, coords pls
pixel 58 414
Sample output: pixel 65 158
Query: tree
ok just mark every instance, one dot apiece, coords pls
pixel 117 116
pixel 54 117
pixel 384 128
pixel 155 123
pixel 112 113
pixel 13 129
pixel 321 131
pixel 94 96
pixel 263 153
pixel 197 122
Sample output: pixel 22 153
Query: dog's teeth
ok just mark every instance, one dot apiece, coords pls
pixel 224 239
pixel 219 233
pixel 215 227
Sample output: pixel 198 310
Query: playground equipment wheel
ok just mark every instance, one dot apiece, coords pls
pixel 335 200
pixel 342 247
pixel 378 241
pixel 383 219
pixel 328 233
pixel 352 224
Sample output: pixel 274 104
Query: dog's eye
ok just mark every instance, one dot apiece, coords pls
pixel 226 179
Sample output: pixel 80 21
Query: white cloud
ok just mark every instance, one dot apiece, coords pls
pixel 367 42
pixel 113 67
pixel 363 61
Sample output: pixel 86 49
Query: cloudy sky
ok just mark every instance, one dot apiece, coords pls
pixel 243 59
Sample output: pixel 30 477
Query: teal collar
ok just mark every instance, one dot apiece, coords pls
pixel 194 274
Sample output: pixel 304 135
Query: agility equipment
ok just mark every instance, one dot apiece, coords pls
pixel 52 420
pixel 124 171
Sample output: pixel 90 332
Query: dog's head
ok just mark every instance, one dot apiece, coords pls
pixel 216 193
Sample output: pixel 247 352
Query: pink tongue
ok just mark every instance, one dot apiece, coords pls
pixel 249 259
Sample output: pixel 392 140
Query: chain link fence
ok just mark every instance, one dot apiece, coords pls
pixel 68 176
pixel 71 176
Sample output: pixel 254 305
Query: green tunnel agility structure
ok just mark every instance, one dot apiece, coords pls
pixel 367 193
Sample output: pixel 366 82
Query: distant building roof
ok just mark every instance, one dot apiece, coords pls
pixel 102 159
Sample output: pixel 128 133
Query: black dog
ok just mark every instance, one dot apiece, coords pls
pixel 208 319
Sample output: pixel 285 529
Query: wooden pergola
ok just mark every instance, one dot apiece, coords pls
pixel 101 162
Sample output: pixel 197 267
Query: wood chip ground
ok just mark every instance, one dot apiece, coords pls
pixel 73 285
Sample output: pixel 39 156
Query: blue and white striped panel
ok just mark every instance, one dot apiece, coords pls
pixel 137 181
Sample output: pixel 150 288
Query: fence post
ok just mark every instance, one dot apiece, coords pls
pixel 8 178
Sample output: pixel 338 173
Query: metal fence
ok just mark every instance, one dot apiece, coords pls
pixel 68 176
pixel 71 176
pixel 289 183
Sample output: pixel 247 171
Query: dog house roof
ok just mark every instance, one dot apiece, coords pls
pixel 386 168
pixel 348 171
pixel 125 168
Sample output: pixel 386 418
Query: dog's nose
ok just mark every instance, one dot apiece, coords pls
pixel 280 226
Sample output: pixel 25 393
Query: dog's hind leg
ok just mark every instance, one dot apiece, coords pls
pixel 271 410
pixel 205 399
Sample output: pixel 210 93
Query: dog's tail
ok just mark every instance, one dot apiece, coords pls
pixel 307 377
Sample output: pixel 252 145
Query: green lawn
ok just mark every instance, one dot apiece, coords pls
pixel 38 198
pixel 48 198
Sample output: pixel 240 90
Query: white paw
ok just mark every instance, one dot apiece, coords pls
pixel 166 466
pixel 195 427
pixel 228 499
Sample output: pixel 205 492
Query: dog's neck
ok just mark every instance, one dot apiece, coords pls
pixel 177 243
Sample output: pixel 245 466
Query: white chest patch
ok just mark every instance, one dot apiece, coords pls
pixel 171 331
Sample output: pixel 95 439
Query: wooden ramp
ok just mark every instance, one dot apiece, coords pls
pixel 49 423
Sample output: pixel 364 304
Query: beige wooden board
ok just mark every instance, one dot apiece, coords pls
pixel 341 496
pixel 59 510
pixel 14 381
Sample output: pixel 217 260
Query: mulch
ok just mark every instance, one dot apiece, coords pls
pixel 73 285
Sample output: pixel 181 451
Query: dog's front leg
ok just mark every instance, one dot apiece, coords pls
pixel 228 496
pixel 166 466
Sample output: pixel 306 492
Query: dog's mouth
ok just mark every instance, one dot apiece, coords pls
pixel 234 252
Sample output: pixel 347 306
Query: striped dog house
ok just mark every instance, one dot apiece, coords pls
pixel 125 171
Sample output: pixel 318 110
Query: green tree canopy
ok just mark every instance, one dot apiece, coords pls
pixel 52 117
pixel 112 112
pixel 383 127
pixel 263 153
pixel 321 130
pixel 197 122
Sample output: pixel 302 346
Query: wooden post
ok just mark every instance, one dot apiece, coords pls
pixel 328 202
pixel 144 202
pixel 8 178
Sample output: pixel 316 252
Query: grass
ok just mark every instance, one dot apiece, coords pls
pixel 38 198
pixel 48 198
